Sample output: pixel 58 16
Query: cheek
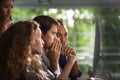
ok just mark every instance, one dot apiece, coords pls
pixel 50 38
pixel 38 46
pixel 66 39
pixel 4 10
pixel 41 46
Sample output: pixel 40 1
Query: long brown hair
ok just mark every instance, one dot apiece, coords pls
pixel 16 49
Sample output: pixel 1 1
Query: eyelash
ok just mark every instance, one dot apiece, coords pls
pixel 7 6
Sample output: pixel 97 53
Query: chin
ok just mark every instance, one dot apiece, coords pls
pixel 49 45
pixel 63 45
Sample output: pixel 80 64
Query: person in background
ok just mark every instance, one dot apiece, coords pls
pixel 52 47
pixel 6 7
pixel 65 50
pixel 20 47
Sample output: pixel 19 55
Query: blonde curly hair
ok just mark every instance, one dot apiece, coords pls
pixel 16 51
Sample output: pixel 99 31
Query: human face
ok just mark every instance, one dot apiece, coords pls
pixel 50 36
pixel 62 34
pixel 38 41
pixel 6 9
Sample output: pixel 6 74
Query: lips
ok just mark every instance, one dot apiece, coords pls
pixel 8 15
pixel 63 43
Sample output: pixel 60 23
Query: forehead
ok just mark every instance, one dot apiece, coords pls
pixel 7 2
pixel 54 27
pixel 62 28
pixel 38 31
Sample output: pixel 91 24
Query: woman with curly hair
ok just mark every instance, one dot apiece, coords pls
pixel 20 47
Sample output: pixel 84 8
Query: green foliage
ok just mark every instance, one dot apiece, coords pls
pixel 110 32
pixel 84 68
pixel 25 13
pixel 110 26
pixel 115 68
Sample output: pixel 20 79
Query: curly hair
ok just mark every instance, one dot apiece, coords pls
pixel 16 53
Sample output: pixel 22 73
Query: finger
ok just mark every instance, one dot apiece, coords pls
pixel 53 45
pixel 72 58
pixel 69 50
pixel 59 45
pixel 66 50
pixel 72 51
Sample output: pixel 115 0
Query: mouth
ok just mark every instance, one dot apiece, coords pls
pixel 8 15
pixel 63 44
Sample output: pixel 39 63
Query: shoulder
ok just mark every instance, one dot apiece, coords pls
pixel 28 75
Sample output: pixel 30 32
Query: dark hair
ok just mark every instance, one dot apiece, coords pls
pixel 4 0
pixel 46 22
pixel 60 21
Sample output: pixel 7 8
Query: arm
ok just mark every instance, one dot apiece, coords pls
pixel 53 55
pixel 4 25
pixel 65 72
pixel 75 71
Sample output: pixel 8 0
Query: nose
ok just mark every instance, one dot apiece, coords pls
pixel 9 9
pixel 55 37
pixel 62 38
pixel 58 38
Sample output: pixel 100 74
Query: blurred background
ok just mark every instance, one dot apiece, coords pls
pixel 94 31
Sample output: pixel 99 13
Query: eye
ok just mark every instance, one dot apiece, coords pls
pixel 58 34
pixel 6 6
pixel 66 34
pixel 54 33
pixel 12 6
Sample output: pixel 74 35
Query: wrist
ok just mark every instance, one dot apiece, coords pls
pixel 57 71
pixel 54 66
